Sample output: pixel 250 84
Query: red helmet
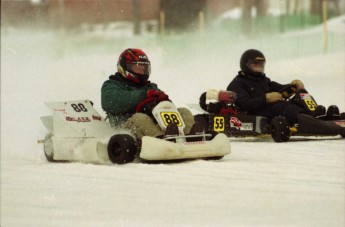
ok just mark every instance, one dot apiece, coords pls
pixel 134 65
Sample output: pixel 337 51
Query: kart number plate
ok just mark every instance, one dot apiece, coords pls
pixel 218 124
pixel 309 101
pixel 310 104
pixel 171 117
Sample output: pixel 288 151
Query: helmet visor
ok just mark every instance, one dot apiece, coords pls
pixel 143 68
pixel 256 66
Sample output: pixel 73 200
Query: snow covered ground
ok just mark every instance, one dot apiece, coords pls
pixel 261 183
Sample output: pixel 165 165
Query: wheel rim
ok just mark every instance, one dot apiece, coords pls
pixel 116 150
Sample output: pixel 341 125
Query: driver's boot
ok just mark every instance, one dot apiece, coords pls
pixel 319 112
pixel 171 130
pixel 197 129
pixel 332 113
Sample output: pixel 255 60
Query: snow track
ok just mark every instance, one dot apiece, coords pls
pixel 260 183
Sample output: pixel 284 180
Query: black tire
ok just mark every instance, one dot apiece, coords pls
pixel 214 158
pixel 342 133
pixel 49 148
pixel 121 149
pixel 202 101
pixel 280 129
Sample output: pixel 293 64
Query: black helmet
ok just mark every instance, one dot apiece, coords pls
pixel 134 65
pixel 253 62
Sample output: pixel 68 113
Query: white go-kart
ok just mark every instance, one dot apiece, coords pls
pixel 77 132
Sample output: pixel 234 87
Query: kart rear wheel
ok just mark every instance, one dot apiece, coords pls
pixel 49 148
pixel 214 158
pixel 342 133
pixel 121 148
pixel 280 129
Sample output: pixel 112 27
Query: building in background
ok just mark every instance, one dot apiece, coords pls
pixel 169 15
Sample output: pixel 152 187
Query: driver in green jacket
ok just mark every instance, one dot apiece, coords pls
pixel 121 94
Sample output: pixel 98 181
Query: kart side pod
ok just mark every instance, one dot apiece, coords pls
pixel 154 149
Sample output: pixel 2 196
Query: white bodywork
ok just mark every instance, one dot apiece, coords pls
pixel 77 132
pixel 158 149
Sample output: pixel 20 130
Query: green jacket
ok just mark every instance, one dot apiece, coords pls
pixel 120 97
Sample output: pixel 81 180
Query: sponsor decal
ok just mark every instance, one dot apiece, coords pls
pixel 78 119
pixel 340 123
pixel 235 123
pixel 98 118
pixel 60 110
pixel 194 142
pixel 305 96
pixel 247 126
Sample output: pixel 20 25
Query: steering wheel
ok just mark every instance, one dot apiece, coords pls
pixel 146 106
pixel 288 91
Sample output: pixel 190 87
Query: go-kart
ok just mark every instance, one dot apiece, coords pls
pixel 234 122
pixel 77 132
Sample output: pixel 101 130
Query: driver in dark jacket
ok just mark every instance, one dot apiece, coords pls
pixel 257 94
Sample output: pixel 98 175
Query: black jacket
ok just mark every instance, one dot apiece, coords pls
pixel 251 91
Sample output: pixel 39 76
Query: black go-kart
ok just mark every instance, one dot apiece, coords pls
pixel 227 118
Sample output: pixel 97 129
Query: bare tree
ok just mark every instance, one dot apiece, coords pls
pixel 136 16
pixel 261 7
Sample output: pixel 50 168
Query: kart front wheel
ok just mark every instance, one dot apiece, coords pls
pixel 49 148
pixel 214 158
pixel 121 149
pixel 280 129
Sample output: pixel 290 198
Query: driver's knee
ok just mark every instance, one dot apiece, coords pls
pixel 142 125
pixel 291 112
pixel 188 119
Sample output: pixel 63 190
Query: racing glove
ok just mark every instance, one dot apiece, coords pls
pixel 227 96
pixel 221 96
pixel 159 95
pixel 273 97
pixel 299 85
